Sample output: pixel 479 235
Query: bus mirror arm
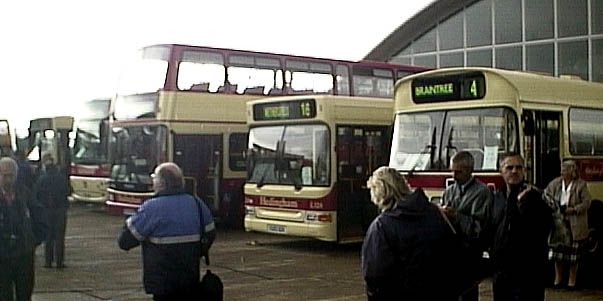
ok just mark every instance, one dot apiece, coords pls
pixel 528 123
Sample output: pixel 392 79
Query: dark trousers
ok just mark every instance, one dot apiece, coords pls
pixel 506 287
pixel 55 241
pixel 17 278
pixel 472 294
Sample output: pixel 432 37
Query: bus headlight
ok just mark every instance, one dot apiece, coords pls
pixel 320 217
pixel 249 210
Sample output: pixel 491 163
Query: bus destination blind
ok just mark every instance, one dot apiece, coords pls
pixel 296 109
pixel 468 86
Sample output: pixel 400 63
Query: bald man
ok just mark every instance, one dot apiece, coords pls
pixel 22 228
pixel 168 226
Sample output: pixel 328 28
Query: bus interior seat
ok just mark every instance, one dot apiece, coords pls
pixel 202 87
pixel 478 157
pixel 255 90
pixel 581 147
pixel 275 91
pixel 227 87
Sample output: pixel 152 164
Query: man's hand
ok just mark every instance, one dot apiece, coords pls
pixel 449 211
pixel 524 192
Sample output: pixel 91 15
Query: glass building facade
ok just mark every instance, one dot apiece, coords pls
pixel 557 37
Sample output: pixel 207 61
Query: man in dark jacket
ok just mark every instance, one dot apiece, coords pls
pixel 407 248
pixel 519 224
pixel 52 190
pixel 25 175
pixel 169 228
pixel 22 228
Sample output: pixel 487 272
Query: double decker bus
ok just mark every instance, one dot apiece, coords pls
pixel 50 134
pixel 89 173
pixel 6 146
pixel 309 158
pixel 186 104
pixel 489 112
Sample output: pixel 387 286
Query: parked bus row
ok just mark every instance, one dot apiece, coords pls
pixel 307 168
pixel 187 104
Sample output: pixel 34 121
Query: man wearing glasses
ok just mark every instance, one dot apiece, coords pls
pixel 519 226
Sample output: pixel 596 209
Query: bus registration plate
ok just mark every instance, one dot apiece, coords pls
pixel 277 228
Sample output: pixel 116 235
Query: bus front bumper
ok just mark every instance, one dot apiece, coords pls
pixel 321 231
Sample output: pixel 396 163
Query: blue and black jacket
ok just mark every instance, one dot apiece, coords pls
pixel 169 228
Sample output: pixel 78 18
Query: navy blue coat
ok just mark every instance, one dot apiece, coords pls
pixel 407 253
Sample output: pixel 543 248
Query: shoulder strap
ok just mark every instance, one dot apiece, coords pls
pixel 443 215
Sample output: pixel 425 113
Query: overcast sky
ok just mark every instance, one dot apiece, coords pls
pixel 55 54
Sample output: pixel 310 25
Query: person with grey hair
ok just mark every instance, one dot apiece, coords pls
pixel 406 248
pixel 519 225
pixel 22 228
pixel 467 204
pixel 570 195
pixel 175 230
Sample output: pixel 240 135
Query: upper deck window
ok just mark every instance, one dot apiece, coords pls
pixel 343 80
pixel 146 73
pixel 255 75
pixel 373 82
pixel 201 71
pixel 308 77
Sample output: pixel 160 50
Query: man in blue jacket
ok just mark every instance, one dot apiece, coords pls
pixel 169 228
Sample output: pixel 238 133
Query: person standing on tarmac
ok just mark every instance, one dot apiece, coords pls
pixel 467 204
pixel 168 226
pixel 52 190
pixel 519 226
pixel 407 248
pixel 25 175
pixel 22 228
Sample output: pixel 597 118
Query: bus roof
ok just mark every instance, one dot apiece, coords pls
pixel 48 123
pixel 531 87
pixel 376 64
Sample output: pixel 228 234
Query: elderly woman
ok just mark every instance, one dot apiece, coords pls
pixel 405 255
pixel 570 194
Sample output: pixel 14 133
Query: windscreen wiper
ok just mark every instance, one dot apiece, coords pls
pixel 427 149
pixel 449 146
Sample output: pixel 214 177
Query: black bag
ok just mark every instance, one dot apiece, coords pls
pixel 210 287
pixel 560 236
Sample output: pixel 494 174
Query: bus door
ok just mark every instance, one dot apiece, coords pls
pixel 542 145
pixel 199 156
pixel 360 150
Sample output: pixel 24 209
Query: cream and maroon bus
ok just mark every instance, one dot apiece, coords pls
pixel 309 158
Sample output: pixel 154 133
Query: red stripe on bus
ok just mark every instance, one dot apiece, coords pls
pixel 154 121
pixel 326 203
pixel 590 170
pixel 439 182
pixel 89 170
